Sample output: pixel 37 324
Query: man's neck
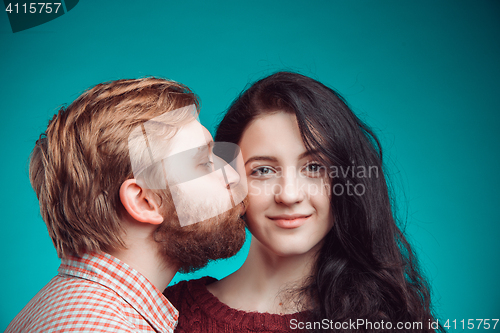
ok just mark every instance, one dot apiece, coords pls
pixel 146 259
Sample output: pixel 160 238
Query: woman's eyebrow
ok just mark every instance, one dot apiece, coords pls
pixel 261 158
pixel 308 153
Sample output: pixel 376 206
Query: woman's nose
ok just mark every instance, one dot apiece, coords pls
pixel 288 191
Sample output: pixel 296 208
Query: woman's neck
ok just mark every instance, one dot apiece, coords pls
pixel 266 282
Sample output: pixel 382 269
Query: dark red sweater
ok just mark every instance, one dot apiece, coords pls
pixel 200 311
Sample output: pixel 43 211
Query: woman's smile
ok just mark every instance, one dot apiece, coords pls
pixel 289 221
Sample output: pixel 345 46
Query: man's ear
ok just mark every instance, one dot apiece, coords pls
pixel 140 203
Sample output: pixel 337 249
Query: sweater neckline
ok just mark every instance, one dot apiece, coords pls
pixel 214 308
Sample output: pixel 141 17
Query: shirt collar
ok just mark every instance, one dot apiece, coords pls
pixel 128 283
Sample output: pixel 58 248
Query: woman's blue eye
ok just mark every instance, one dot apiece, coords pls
pixel 261 171
pixel 314 168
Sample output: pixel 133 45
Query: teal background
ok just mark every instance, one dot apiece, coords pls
pixel 424 74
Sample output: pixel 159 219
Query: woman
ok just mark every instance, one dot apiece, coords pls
pixel 326 249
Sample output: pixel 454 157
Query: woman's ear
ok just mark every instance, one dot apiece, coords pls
pixel 139 203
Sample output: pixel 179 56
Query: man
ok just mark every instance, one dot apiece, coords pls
pixel 120 175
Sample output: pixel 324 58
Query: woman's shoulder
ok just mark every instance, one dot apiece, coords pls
pixel 193 288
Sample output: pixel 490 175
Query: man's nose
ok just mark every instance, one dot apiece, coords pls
pixel 231 176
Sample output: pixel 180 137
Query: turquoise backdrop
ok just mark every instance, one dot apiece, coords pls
pixel 425 74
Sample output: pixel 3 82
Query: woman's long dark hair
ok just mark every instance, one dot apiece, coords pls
pixel 366 269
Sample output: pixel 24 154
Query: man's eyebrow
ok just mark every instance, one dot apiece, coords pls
pixel 202 151
pixel 261 158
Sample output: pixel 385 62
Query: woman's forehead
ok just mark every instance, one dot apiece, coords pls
pixel 274 134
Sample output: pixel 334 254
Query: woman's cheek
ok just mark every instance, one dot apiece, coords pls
pixel 254 188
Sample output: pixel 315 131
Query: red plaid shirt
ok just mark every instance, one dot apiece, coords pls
pixel 96 293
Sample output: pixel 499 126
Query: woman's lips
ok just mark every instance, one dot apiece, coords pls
pixel 289 221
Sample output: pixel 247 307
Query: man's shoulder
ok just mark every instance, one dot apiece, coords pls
pixel 76 291
pixel 67 302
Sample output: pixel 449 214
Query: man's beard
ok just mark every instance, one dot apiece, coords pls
pixel 191 247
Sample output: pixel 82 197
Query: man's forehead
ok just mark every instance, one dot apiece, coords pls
pixel 191 135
